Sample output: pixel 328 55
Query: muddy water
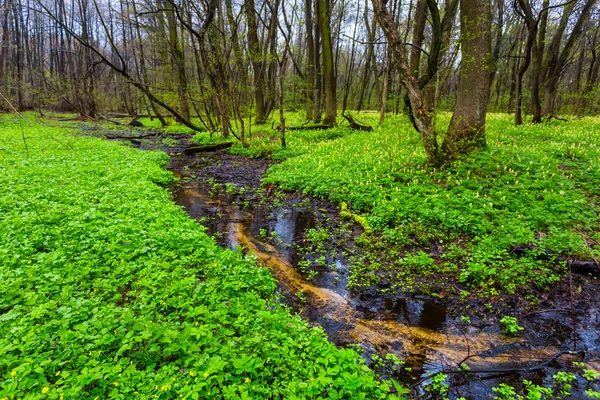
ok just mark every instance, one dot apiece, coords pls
pixel 418 330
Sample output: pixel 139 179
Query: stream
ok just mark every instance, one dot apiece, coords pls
pixel 418 330
pixel 421 331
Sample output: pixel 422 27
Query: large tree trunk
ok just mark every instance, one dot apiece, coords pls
pixel 467 126
pixel 538 58
pixel 328 71
pixel 318 72
pixel 310 69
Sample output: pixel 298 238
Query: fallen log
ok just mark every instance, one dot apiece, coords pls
pixel 128 137
pixel 355 125
pixel 577 266
pixel 136 123
pixel 207 147
pixel 110 120
pixel 307 128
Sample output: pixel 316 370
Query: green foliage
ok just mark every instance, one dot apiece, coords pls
pixel 534 184
pixel 110 291
pixel 510 326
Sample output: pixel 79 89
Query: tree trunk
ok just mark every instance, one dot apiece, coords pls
pixel 255 55
pixel 467 126
pixel 177 62
pixel 310 69
pixel 536 107
pixel 318 72
pixel 423 122
pixel 328 72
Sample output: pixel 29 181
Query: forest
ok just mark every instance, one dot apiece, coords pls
pixel 299 199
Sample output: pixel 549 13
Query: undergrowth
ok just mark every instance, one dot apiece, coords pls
pixel 534 184
pixel 110 291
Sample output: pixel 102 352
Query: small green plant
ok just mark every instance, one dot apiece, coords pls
pixel 377 361
pixel 506 392
pixel 465 319
pixel 510 326
pixel 562 383
pixel 438 387
pixel 169 141
pixel 231 189
pixel 301 296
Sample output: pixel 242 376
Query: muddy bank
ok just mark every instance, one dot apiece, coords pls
pixel 311 250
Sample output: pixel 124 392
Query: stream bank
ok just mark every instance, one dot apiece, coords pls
pixel 310 250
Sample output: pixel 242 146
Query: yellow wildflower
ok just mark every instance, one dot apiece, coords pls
pixel 45 390
pixel 14 373
pixel 57 374
pixel 192 373
pixel 205 375
pixel 247 380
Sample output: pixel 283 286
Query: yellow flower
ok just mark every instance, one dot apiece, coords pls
pixel 57 374
pixel 192 373
pixel 45 390
pixel 116 383
pixel 205 375
pixel 247 380
pixel 14 373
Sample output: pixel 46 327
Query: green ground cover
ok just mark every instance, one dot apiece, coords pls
pixel 108 290
pixel 535 184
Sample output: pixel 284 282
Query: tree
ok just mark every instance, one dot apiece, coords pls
pixel 557 63
pixel 467 126
pixel 328 69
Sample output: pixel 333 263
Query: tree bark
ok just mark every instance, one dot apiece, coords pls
pixel 423 122
pixel 177 62
pixel 255 54
pixel 328 70
pixel 310 68
pixel 467 126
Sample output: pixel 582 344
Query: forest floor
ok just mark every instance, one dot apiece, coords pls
pixel 455 253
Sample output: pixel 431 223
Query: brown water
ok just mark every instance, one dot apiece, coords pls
pixel 417 330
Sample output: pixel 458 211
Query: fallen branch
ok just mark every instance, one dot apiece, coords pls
pixel 307 128
pixel 128 137
pixel 551 117
pixel 355 125
pixel 110 120
pixel 207 147
pixel 504 371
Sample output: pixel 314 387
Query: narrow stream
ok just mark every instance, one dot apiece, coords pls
pixel 417 330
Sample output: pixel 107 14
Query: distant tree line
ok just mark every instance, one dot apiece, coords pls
pixel 227 65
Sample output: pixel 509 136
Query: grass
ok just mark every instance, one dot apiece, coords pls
pixel 110 291
pixel 536 184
